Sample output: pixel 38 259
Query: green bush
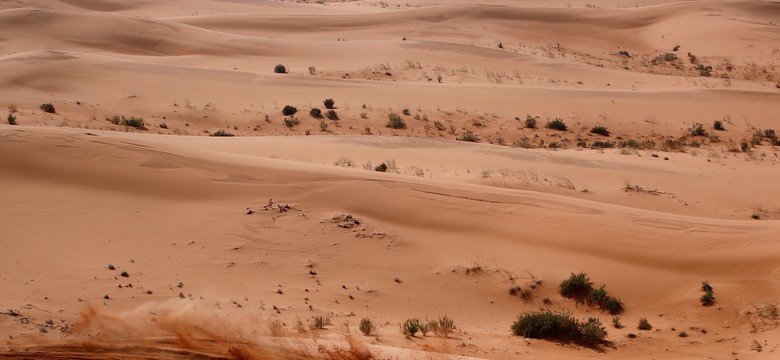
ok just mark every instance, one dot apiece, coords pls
pixel 381 167
pixel 698 130
pixel 366 327
pixel 602 145
pixel 280 69
pixel 406 112
pixel 598 296
pixel 644 324
pixel 410 327
pixel 11 119
pixel 530 121
pixel 718 125
pixel 329 103
pixel 443 326
pixel 708 299
pixel 331 114
pixel 613 305
pixel 395 122
pixel 134 121
pixel 561 327
pixel 600 130
pixel 323 125
pixel 221 133
pixel 315 113
pixel 288 110
pixel 706 287
pixel 468 136
pixel 577 286
pixel 291 122
pixel 49 108
pixel 438 125
pixel 557 124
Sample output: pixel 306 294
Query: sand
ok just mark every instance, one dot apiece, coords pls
pixel 162 241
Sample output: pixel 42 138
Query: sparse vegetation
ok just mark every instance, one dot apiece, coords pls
pixel 319 322
pixel 616 322
pixel 561 327
pixel 381 167
pixel 280 69
pixel 221 133
pixel 406 112
pixel 697 130
pixel 644 324
pixel 468 136
pixel 315 113
pixel 331 115
pixel 49 108
pixel 443 326
pixel 291 122
pixel 289 110
pixel 718 125
pixel 438 125
pixel 411 327
pixel 708 299
pixel 395 122
pixel 557 124
pixel 323 126
pixel 329 103
pixel 366 327
pixel 600 130
pixel 580 288
pixel 530 121
pixel 11 119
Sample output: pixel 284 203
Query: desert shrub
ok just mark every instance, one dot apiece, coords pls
pixel 613 305
pixel 395 122
pixel 708 299
pixel 115 119
pixel 577 286
pixel 329 103
pixel 438 125
pixel 770 134
pixel 644 324
pixel 315 113
pixel 718 125
pixel 562 327
pixel 410 327
pixel 744 146
pixel 592 332
pixel 49 108
pixel 288 110
pixel 406 112
pixel 706 287
pixel 366 326
pixel 381 167
pixel 323 125
pixel 291 122
pixel 331 114
pixel 556 124
pixel 11 119
pixel 468 136
pixel 443 326
pixel 616 322
pixel 682 334
pixel 312 70
pixel 163 126
pixel 280 69
pixel 598 296
pixel 530 121
pixel 133 121
pixel 602 145
pixel 319 322
pixel 698 130
pixel 600 130
pixel 221 133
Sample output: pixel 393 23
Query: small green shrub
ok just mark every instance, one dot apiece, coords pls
pixel 11 119
pixel 280 69
pixel 708 299
pixel 49 108
pixel 163 126
pixel 706 287
pixel 315 113
pixel 410 327
pixel 577 286
pixel 395 122
pixel 468 136
pixel 381 167
pixel 329 103
pixel 291 122
pixel 134 121
pixel 406 112
pixel 616 322
pixel 438 125
pixel 530 121
pixel 561 327
pixel 613 305
pixel 744 146
pixel 598 296
pixel 644 324
pixel 443 326
pixel 366 327
pixel 602 145
pixel 221 133
pixel 323 125
pixel 600 130
pixel 698 130
pixel 288 110
pixel 557 124
pixel 331 114
pixel 718 125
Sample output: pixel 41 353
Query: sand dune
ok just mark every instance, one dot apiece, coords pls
pixel 158 239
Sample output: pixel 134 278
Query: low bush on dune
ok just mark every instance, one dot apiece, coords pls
pixel 530 121
pixel 221 133
pixel 580 288
pixel 288 110
pixel 560 327
pixel 557 124
pixel 468 136
pixel 644 324
pixel 280 69
pixel 11 119
pixel 366 327
pixel 708 299
pixel 332 115
pixel 443 326
pixel 329 103
pixel 411 327
pixel 315 113
pixel 395 122
pixel 718 125
pixel 49 108
pixel 600 130
pixel 291 122
pixel 133 121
